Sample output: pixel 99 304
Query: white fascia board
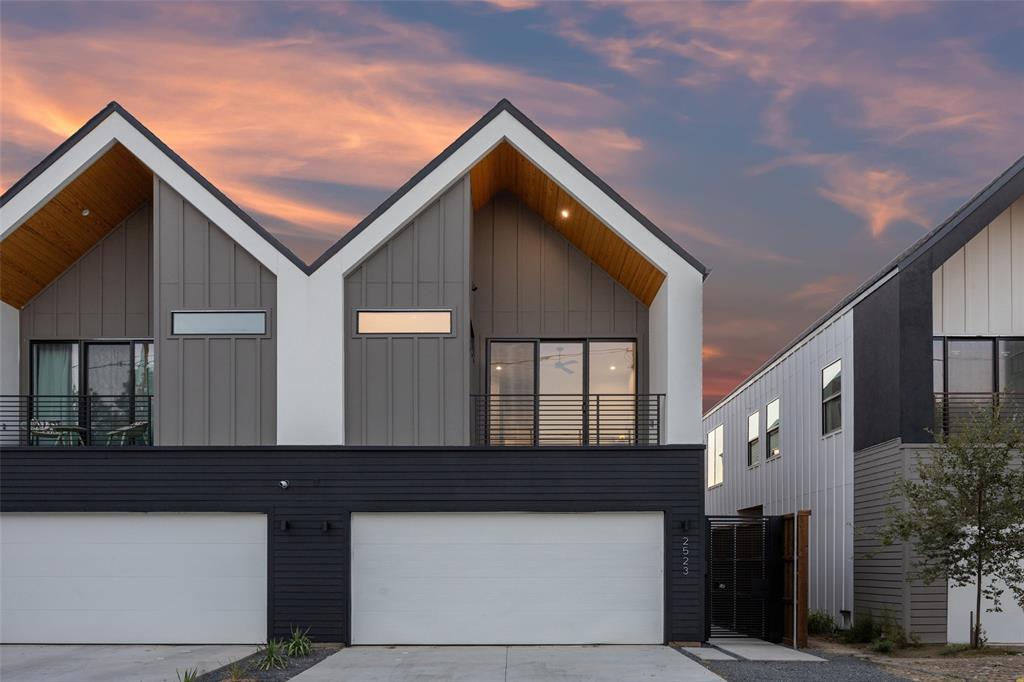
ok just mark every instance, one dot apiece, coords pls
pixel 505 127
pixel 114 128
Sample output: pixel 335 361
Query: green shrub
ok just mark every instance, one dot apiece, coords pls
pixel 272 655
pixel 821 623
pixel 863 630
pixel 882 645
pixel 299 643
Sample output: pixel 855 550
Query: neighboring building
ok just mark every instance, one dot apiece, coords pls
pixel 830 421
pixel 474 419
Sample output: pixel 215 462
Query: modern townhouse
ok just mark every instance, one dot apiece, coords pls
pixel 833 418
pixel 474 419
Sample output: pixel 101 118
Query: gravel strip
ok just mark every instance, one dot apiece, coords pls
pixel 294 667
pixel 838 669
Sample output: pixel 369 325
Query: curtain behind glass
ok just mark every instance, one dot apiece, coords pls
pixel 55 382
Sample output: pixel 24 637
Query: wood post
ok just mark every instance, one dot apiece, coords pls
pixel 802 578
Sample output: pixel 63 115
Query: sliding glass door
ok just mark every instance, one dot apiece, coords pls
pixel 564 392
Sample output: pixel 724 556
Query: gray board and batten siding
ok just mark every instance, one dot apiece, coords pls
pixel 308 561
pixel 217 389
pixel 107 293
pixel 408 389
pixel 530 282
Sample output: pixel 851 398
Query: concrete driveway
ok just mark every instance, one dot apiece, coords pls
pixel 508 664
pixel 111 663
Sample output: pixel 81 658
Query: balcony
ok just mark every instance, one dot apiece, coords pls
pixel 953 410
pixel 75 420
pixel 567 419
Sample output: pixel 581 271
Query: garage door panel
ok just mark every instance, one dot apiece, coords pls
pixel 133 578
pixel 123 627
pixel 492 578
pixel 473 560
pixel 131 559
pixel 443 594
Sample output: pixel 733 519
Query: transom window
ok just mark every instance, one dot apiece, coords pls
pixel 392 322
pixel 218 322
pixel 832 398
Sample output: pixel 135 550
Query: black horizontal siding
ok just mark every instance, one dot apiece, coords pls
pixel 308 566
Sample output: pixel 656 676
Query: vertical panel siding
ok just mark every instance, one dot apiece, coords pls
pixel 532 283
pixel 308 563
pixel 881 572
pixel 412 390
pixel 210 390
pixel 979 290
pixel 104 294
pixel 813 472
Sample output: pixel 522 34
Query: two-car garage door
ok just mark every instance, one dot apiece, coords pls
pixel 133 578
pixel 416 578
pixel 507 578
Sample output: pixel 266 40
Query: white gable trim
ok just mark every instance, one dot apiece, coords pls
pixel 505 126
pixel 114 128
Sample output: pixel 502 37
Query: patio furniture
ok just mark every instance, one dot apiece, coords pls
pixel 130 434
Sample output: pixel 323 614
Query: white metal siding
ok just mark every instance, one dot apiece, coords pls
pixel 508 578
pixel 813 472
pixel 98 578
pixel 979 290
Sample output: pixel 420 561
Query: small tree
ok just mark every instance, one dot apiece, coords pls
pixel 964 514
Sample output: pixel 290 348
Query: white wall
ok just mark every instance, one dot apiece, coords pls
pixel 979 291
pixel 813 472
pixel 1000 628
pixel 9 349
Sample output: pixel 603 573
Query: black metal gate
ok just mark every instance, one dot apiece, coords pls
pixel 744 574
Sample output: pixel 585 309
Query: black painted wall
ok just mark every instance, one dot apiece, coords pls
pixel 876 366
pixel 308 568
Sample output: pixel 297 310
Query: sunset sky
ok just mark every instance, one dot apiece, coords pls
pixel 793 148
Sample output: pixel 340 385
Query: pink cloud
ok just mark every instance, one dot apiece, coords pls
pixel 947 95
pixel 826 290
pixel 304 107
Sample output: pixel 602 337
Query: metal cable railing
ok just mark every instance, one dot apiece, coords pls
pixel 75 420
pixel 567 419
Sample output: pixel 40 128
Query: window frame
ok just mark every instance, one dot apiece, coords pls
pixel 263 334
pixel 768 432
pixel 944 341
pixel 536 341
pixel 453 324
pixel 838 396
pixel 718 456
pixel 754 444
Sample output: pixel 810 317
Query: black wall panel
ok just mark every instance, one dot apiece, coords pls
pixel 308 562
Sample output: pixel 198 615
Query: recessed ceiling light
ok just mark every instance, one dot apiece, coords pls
pixel 498 368
pixel 612 367
pixel 85 212
pixel 565 213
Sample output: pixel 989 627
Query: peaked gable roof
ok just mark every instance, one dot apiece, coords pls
pixel 972 216
pixel 501 107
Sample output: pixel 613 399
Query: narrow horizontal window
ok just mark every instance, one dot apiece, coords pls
pixel 404 322
pixel 219 322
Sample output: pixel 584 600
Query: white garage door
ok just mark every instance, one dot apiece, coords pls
pixel 133 578
pixel 507 578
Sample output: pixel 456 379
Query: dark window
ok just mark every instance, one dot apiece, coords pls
pixel 773 440
pixel 753 438
pixel 1011 366
pixel 939 365
pixel 832 397
pixel 969 366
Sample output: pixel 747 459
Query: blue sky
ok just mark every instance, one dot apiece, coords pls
pixel 794 148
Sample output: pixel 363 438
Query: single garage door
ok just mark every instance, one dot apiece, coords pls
pixel 133 578
pixel 507 578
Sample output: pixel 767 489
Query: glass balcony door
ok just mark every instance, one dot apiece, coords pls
pixel 562 392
